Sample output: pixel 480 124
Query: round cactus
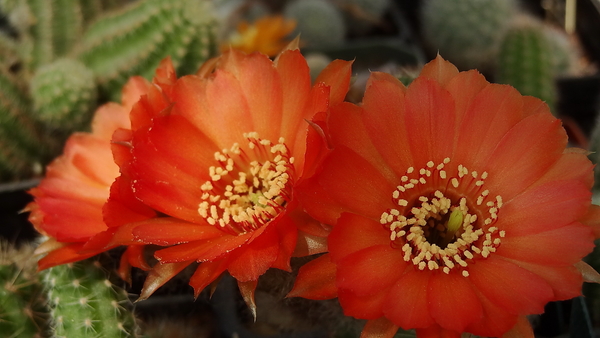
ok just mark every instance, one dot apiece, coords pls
pixel 64 93
pixel 466 32
pixel 319 23
pixel 84 303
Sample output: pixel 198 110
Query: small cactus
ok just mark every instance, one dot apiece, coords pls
pixel 133 40
pixel 525 62
pixel 319 23
pixel 466 32
pixel 64 94
pixel 23 310
pixel 84 303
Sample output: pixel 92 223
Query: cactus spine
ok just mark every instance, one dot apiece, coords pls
pixel 134 40
pixel 84 303
pixel 23 310
pixel 525 62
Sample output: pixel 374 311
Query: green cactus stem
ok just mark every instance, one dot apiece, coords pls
pixel 21 148
pixel 84 303
pixel 23 311
pixel 525 62
pixel 64 94
pixel 134 39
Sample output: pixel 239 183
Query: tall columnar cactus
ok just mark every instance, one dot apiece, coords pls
pixel 319 22
pixel 135 39
pixel 466 32
pixel 84 303
pixel 64 94
pixel 525 62
pixel 23 311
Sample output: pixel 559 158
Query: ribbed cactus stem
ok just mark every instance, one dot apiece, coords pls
pixel 136 38
pixel 67 25
pixel 23 310
pixel 525 62
pixel 41 32
pixel 64 94
pixel 84 303
pixel 21 147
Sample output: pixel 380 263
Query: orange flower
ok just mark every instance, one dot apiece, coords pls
pixel 267 35
pixel 68 202
pixel 456 207
pixel 219 155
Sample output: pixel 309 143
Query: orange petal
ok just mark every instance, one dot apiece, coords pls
pixel 570 166
pixel 288 236
pixel 202 251
pixel 407 302
pixel 592 219
pixel 525 153
pixel 362 307
pixel 556 204
pixel 122 207
pixel 439 70
pixel 431 116
pixel 135 87
pixel 464 87
pixel 383 117
pixel 159 275
pixel 206 273
pixel 369 270
pixel 516 290
pixel 562 246
pixel 66 254
pixel 256 256
pixel 452 302
pixel 168 231
pixel 337 76
pixel 522 329
pixel 315 280
pixel 348 130
pixel 354 233
pixel 489 116
pixel 495 320
pixel 295 86
pixel 379 328
pixel 343 176
pixel 564 280
pixel 262 89
pixel 436 331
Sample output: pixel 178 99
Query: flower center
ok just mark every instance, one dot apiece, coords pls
pixel 439 224
pixel 249 186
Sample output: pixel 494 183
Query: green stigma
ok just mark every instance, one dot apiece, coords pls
pixel 455 221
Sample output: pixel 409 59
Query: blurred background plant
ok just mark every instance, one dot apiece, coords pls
pixel 61 59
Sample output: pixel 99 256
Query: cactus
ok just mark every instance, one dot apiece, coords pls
pixel 134 40
pixel 21 147
pixel 525 63
pixel 64 94
pixel 23 310
pixel 319 23
pixel 84 303
pixel 466 32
